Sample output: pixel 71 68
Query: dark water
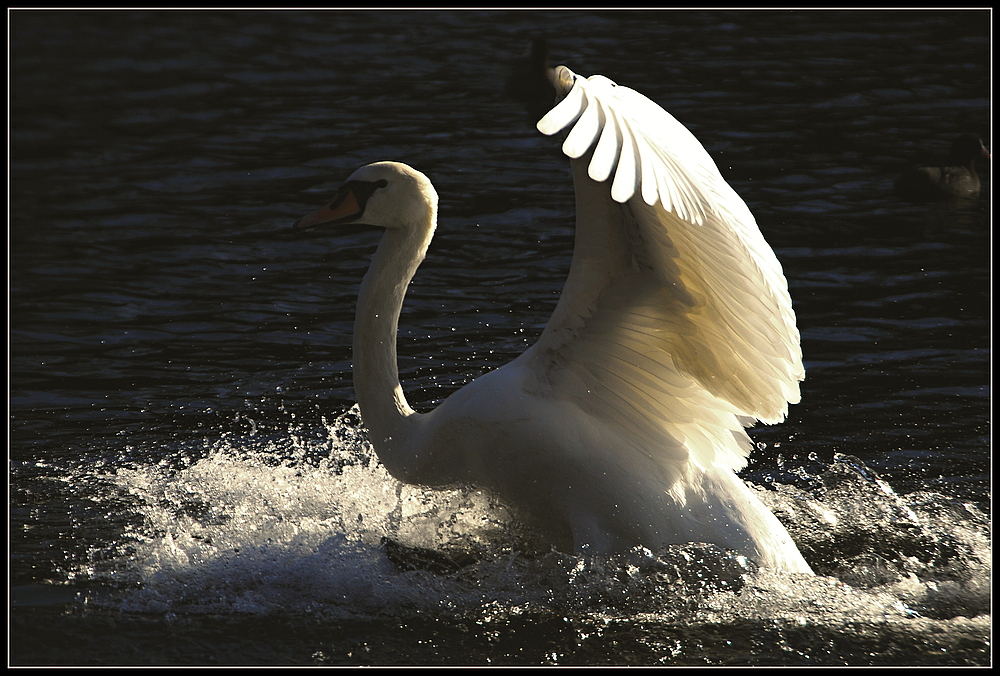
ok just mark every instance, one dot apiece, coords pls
pixel 183 490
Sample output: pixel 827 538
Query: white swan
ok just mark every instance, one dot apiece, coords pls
pixel 623 425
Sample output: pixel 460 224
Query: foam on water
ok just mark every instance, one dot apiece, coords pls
pixel 309 523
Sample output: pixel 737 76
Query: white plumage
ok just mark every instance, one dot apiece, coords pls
pixel 623 425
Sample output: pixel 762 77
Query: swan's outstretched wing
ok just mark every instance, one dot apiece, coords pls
pixel 675 325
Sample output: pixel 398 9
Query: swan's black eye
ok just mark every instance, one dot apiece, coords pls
pixel 362 190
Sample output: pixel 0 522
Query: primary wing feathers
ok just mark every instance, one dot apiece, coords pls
pixel 675 325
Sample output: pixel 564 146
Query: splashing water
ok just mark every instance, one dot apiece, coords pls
pixel 308 524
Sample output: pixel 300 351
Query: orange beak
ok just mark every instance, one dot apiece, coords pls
pixel 343 207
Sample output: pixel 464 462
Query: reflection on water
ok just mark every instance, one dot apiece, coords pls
pixel 172 364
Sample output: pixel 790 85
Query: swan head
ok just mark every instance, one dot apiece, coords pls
pixel 388 195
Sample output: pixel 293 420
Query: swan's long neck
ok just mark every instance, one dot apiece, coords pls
pixel 384 409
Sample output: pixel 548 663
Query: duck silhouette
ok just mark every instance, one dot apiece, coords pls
pixel 955 178
pixel 531 80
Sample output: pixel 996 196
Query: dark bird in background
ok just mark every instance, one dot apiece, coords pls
pixel 532 80
pixel 956 177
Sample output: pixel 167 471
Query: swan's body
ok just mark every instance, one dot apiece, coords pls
pixel 955 178
pixel 623 425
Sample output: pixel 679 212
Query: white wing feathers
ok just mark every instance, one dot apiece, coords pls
pixel 675 325
pixel 649 150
